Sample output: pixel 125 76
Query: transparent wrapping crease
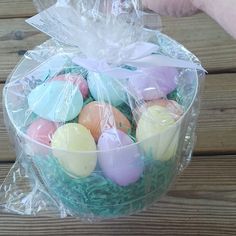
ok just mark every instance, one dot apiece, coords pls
pixel 102 116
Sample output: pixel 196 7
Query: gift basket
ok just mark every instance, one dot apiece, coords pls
pixel 102 115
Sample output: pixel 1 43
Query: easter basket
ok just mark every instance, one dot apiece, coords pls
pixel 102 116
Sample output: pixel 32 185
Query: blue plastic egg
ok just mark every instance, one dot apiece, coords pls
pixel 106 89
pixel 57 101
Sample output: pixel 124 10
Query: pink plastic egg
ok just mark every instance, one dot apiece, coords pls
pixel 76 80
pixel 121 163
pixel 41 131
pixel 157 83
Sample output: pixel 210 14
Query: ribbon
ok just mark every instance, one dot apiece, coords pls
pixel 141 55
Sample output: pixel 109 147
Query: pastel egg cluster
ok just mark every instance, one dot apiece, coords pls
pixel 80 120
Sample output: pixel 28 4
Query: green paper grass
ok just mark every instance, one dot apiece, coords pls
pixel 97 197
pixel 176 97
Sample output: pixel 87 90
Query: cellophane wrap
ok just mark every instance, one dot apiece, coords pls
pixel 102 116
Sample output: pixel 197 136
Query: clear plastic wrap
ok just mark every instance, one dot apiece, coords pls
pixel 102 116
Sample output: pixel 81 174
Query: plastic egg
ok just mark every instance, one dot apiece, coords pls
pixel 75 149
pixel 40 131
pixel 121 163
pixel 56 101
pixel 76 80
pixel 98 117
pixel 159 132
pixel 158 82
pixel 173 107
pixel 106 89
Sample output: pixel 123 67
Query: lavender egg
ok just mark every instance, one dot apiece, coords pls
pixel 119 162
pixel 157 83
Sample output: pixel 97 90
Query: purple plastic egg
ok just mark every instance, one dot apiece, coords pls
pixel 121 163
pixel 157 83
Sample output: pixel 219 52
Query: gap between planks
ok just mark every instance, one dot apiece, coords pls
pixel 216 125
pixel 208 41
pixel 201 202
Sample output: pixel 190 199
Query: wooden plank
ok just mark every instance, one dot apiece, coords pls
pixel 16 8
pixel 217 123
pixel 16 37
pixel 202 202
pixel 208 41
pixel 201 35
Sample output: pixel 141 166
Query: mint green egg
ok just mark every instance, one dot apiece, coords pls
pixel 57 101
pixel 106 89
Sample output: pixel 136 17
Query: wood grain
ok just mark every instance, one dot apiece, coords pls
pixel 16 8
pixel 217 123
pixel 16 37
pixel 202 202
pixel 201 35
pixel 216 49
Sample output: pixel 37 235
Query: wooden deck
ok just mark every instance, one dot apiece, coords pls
pixel 203 201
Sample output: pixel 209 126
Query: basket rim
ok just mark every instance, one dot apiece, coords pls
pixel 27 138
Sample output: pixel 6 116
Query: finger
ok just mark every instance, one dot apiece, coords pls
pixel 175 8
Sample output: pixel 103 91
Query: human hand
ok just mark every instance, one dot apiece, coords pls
pixel 222 11
pixel 175 8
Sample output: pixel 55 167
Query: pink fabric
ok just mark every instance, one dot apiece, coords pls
pixel 222 11
pixel 171 7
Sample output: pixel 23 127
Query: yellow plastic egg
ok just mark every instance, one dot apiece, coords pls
pixel 159 132
pixel 74 147
pixel 173 107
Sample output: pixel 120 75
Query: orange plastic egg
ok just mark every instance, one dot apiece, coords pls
pixel 97 117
